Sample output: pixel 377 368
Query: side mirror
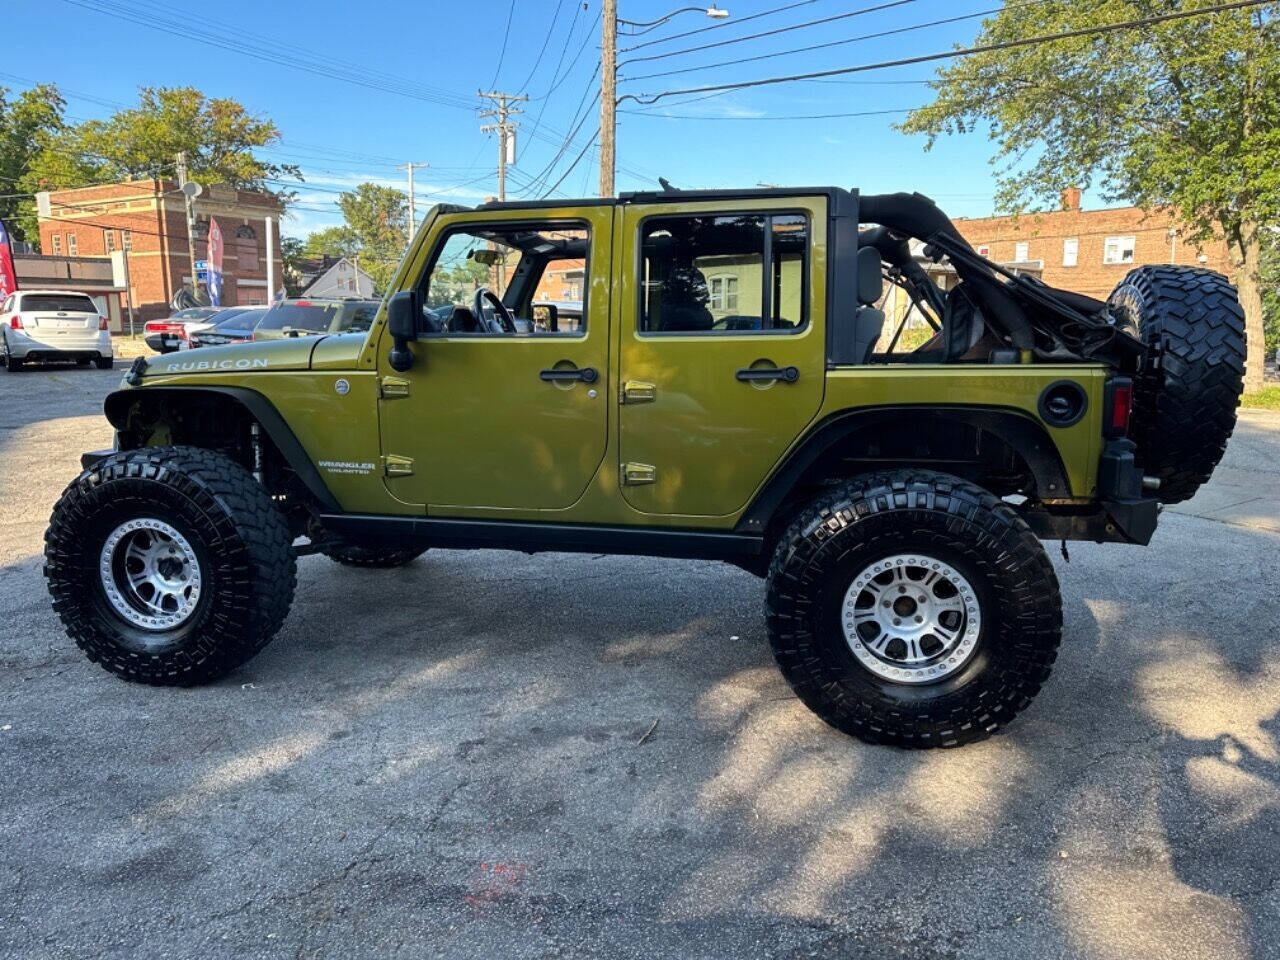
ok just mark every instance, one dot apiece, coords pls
pixel 402 323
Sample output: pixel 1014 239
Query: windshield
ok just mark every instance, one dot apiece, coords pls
pixel 240 320
pixel 308 316
pixel 66 302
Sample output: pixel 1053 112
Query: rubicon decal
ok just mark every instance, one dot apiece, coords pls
pixel 192 366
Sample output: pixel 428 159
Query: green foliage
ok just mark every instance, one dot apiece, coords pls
pixel 1183 114
pixel 32 114
pixel 457 284
pixel 376 220
pixel 331 242
pixel 1271 289
pixel 291 251
pixel 218 135
pixel 1267 398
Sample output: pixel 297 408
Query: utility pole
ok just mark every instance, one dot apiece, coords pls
pixel 608 95
pixel 505 127
pixel 270 224
pixel 189 201
pixel 413 213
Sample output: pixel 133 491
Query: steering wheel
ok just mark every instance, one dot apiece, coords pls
pixel 506 319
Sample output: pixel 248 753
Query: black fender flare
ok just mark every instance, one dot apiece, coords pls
pixel 260 408
pixel 1016 428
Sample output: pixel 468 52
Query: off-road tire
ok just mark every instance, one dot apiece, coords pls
pixel 1184 410
pixel 247 563
pixel 105 363
pixel 366 555
pixel 11 363
pixel 855 525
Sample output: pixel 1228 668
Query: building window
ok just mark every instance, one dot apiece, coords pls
pixel 245 232
pixel 1118 250
pixel 108 240
pixel 724 294
pixel 1070 251
pixel 72 249
pixel 126 239
pixel 56 243
pixel 1022 252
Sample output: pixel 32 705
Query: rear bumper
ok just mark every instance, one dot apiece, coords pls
pixel 1123 514
pixel 27 346
pixel 162 343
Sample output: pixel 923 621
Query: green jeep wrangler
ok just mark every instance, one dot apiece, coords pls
pixel 830 390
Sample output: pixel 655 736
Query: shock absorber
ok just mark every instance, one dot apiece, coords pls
pixel 255 441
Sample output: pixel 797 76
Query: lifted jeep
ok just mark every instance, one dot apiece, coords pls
pixel 704 374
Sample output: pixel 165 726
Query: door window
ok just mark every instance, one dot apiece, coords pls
pixel 533 270
pixel 744 273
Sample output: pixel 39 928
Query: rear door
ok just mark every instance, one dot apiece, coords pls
pixel 722 348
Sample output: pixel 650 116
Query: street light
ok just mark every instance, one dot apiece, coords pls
pixel 609 79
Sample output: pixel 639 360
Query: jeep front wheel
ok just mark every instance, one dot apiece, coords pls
pixel 169 565
pixel 374 556
pixel 913 608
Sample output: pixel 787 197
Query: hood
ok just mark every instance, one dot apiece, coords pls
pixel 292 353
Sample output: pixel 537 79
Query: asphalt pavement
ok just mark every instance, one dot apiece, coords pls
pixel 489 755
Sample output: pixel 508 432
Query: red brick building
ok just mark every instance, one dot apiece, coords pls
pixel 147 218
pixel 1089 251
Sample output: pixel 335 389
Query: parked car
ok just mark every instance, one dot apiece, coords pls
pixel 53 325
pixel 230 326
pixel 170 334
pixel 310 317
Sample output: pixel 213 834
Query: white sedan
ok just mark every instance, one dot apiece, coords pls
pixel 53 325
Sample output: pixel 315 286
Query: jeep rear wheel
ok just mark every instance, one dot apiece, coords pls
pixel 169 565
pixel 1184 411
pixel 913 608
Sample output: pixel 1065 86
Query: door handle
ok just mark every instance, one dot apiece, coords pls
pixel 785 374
pixel 585 374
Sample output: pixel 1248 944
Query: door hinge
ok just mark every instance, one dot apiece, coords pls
pixel 397 466
pixel 637 391
pixel 634 474
pixel 394 387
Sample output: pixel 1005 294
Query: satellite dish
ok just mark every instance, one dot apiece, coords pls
pixel 192 189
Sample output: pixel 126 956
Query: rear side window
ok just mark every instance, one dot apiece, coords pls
pixel 243 320
pixel 309 317
pixel 742 273
pixel 64 302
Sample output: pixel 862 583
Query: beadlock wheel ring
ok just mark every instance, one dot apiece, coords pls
pixel 150 574
pixel 911 618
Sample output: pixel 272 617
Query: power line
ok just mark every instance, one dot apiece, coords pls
pixel 771 33
pixel 959 52
pixel 576 161
pixel 537 61
pixel 803 116
pixel 511 10
pixel 717 26
pixel 832 43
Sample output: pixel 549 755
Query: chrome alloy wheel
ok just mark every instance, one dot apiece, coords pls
pixel 911 619
pixel 150 574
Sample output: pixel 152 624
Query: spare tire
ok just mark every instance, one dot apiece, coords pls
pixel 1185 399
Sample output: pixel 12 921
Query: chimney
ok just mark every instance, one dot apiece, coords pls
pixel 1071 199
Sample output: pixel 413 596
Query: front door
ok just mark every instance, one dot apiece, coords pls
pixel 722 361
pixel 504 411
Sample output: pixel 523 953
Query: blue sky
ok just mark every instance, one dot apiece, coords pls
pixel 426 60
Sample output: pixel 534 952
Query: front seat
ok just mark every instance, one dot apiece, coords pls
pixel 463 320
pixel 684 300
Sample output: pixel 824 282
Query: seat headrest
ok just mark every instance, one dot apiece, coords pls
pixel 870 280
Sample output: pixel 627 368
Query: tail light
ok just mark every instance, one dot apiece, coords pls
pixel 1119 406
pixel 102 323
pixel 15 322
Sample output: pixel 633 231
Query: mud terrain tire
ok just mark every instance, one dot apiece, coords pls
pixel 169 565
pixel 1008 585
pixel 1184 410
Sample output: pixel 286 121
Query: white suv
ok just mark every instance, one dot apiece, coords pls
pixel 53 325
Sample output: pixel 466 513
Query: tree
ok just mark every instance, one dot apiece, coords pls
pixel 218 135
pixel 1271 288
pixel 1183 114
pixel 291 252
pixel 24 119
pixel 375 219
pixel 338 241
